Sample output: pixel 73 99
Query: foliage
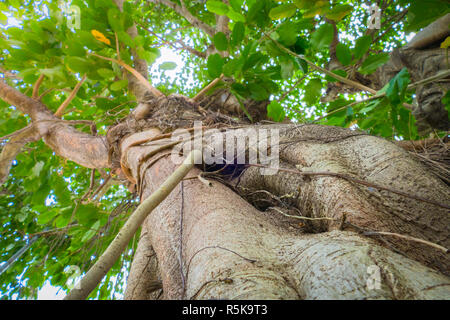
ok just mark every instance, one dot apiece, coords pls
pixel 44 192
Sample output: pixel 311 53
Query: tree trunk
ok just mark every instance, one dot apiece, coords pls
pixel 255 237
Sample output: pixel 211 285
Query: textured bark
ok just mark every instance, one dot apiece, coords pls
pixel 144 282
pixel 210 242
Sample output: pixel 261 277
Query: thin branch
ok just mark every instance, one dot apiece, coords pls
pixel 69 99
pixel 133 71
pixel 184 12
pixel 329 73
pixel 292 88
pixel 180 42
pixel 37 85
pixel 9 74
pixel 428 243
pixel 202 92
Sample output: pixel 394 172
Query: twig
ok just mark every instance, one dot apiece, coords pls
pixel 383 233
pixel 292 88
pixel 439 75
pixel 184 12
pixel 300 217
pixel 37 85
pixel 180 42
pixel 69 99
pixel 91 186
pixel 134 72
pixel 329 73
pixel 202 92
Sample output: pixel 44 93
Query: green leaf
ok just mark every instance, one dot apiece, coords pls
pixel 283 11
pixel 106 73
pixel 53 72
pixel 215 65
pixel 343 54
pixel 118 85
pixel 238 33
pixel 167 66
pixel 288 34
pixel 253 60
pixel 22 215
pixel 236 4
pixel 35 172
pixel 338 12
pixel 259 13
pixel 92 231
pixel 397 87
pixel 373 62
pixel 304 4
pixel 422 13
pixel 235 16
pixel 258 92
pixel 217 7
pixel 149 55
pixel 313 91
pixel 232 67
pixel 64 218
pixel 303 65
pixel 125 38
pixel 114 19
pixel 361 46
pixel 86 214
pixel 45 217
pixel 220 41
pixel 77 64
pixel 322 37
pixel 275 111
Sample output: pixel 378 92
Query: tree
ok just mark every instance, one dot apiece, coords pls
pixel 359 205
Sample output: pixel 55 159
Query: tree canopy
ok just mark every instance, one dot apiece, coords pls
pixel 285 52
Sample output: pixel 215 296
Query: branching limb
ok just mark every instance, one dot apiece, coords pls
pixel 69 99
pixel 184 12
pixel 85 149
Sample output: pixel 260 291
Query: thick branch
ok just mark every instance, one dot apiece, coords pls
pixel 436 31
pixel 85 149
